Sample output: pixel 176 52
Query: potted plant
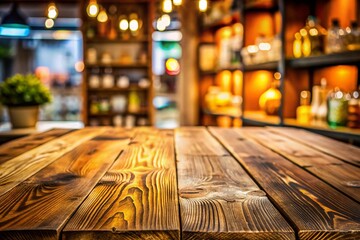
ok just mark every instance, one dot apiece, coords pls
pixel 23 94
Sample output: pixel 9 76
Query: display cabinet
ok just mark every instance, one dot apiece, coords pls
pixel 274 74
pixel 117 56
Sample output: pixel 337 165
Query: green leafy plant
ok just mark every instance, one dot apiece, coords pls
pixel 23 90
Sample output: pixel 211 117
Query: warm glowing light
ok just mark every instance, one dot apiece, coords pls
pixel 167 6
pixel 303 32
pixel 92 9
pixel 102 17
pixel 52 11
pixel 160 25
pixel 238 29
pixel 79 66
pixel 313 32
pixel 134 25
pixel 61 34
pixel 203 5
pixel 224 80
pixel 252 49
pixel 265 46
pixel 49 23
pixel 277 75
pixel 237 82
pixel 124 24
pixel 165 18
pixel 172 66
pixel 177 2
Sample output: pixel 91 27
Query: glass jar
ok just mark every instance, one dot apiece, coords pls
pixel 337 108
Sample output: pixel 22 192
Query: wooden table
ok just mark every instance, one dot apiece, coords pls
pixel 190 183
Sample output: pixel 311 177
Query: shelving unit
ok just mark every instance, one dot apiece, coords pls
pixel 284 18
pixel 219 75
pixel 119 54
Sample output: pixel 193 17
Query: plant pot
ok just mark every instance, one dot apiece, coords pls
pixel 23 117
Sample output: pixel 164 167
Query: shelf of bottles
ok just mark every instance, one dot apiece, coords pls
pixel 332 100
pixel 117 64
pixel 221 78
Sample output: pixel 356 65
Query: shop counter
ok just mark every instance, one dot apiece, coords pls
pixel 187 183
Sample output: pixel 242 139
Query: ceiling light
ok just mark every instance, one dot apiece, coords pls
pixel 14 24
pixel 52 11
pixel 49 23
pixel 92 8
pixel 203 4
pixel 167 6
pixel 177 2
pixel 124 23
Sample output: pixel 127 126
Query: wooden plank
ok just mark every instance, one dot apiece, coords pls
pixel 343 151
pixel 317 210
pixel 201 143
pixel 346 178
pixel 16 170
pixel 299 153
pixel 137 198
pixel 16 147
pixel 314 161
pixel 218 200
pixel 39 207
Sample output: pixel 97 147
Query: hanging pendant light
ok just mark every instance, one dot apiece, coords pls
pixel 167 6
pixel 52 11
pixel 177 2
pixel 203 5
pixel 14 24
pixel 92 9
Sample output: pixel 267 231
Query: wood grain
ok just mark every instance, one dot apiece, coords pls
pixel 16 170
pixel 137 198
pixel 302 155
pixel 39 207
pixel 341 175
pixel 317 210
pixel 218 200
pixel 201 143
pixel 343 151
pixel 16 147
pixel 345 177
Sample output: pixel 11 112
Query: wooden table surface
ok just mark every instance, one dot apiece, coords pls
pixel 189 183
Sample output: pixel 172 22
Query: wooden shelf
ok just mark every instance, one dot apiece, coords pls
pixel 216 71
pixel 226 113
pixel 225 21
pixel 273 66
pixel 322 126
pixel 116 41
pixel 117 65
pixel 349 57
pixel 259 118
pixel 262 5
pixel 111 114
pixel 116 89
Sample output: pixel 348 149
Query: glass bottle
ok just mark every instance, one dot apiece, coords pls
pixel 337 108
pixel 270 100
pixel 134 102
pixel 353 36
pixel 354 109
pixel 303 112
pixel 335 38
pixel 297 46
pixel 322 110
pixel 313 35
pixel 108 80
pixel 319 107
